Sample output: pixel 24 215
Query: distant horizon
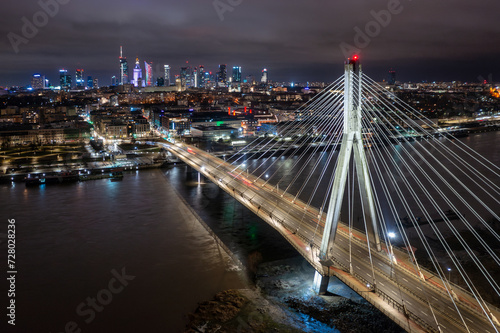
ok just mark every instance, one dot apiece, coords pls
pixel 106 80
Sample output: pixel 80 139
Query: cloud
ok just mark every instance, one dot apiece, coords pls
pixel 290 37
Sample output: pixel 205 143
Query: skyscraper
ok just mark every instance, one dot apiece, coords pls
pixel 167 75
pixel 113 80
pixel 79 80
pixel 38 81
pixel 137 80
pixel 186 77
pixel 264 78
pixel 90 82
pixel 64 79
pixel 123 68
pixel 392 77
pixel 148 66
pixel 237 74
pixel 96 84
pixel 195 77
pixel 201 76
pixel 222 75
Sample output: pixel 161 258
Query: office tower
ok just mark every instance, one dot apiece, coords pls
pixel 160 82
pixel 96 83
pixel 90 82
pixel 38 81
pixel 123 68
pixel 167 75
pixel 186 77
pixel 237 74
pixel 264 78
pixel 148 67
pixel 64 79
pixel 392 77
pixel 114 81
pixel 195 77
pixel 79 80
pixel 222 75
pixel 201 76
pixel 137 80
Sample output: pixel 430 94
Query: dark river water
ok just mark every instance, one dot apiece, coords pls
pixel 133 246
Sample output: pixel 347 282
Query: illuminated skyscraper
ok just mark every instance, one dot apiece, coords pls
pixel 264 78
pixel 113 80
pixel 64 79
pixel 79 80
pixel 123 68
pixel 38 81
pixel 186 77
pixel 392 77
pixel 96 83
pixel 222 75
pixel 195 77
pixel 167 75
pixel 148 66
pixel 237 74
pixel 90 82
pixel 137 81
pixel 201 76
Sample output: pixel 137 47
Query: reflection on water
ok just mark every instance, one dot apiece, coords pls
pixel 70 237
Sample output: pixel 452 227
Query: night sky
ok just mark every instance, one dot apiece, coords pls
pixel 297 40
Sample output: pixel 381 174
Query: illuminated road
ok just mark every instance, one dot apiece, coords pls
pixel 416 300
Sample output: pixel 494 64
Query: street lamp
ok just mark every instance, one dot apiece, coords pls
pixel 449 274
pixel 391 234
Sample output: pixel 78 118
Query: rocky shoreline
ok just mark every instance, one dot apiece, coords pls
pixel 282 301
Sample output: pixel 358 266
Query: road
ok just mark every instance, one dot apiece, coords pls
pixel 389 279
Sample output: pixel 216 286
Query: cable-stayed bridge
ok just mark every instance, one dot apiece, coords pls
pixel 358 169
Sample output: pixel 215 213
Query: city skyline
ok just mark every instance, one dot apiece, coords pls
pixel 295 41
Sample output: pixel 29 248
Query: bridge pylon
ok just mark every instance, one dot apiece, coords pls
pixel 352 144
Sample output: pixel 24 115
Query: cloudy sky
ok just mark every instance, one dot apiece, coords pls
pixel 297 40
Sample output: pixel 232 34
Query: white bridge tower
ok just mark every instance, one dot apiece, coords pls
pixel 352 142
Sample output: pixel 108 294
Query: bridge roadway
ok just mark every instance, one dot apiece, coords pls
pixel 413 300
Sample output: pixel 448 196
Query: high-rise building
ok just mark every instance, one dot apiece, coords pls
pixel 90 82
pixel 114 81
pixel 167 75
pixel 264 78
pixel 237 74
pixel 186 77
pixel 64 79
pixel 222 75
pixel 160 82
pixel 392 77
pixel 79 80
pixel 148 66
pixel 208 79
pixel 96 84
pixel 195 77
pixel 137 80
pixel 123 68
pixel 201 76
pixel 38 81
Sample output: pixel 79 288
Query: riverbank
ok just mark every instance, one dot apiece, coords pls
pixel 283 301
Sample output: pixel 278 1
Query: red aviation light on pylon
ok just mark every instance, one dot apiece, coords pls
pixel 355 57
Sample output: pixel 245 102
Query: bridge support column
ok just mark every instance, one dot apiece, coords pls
pixel 320 283
pixel 352 144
